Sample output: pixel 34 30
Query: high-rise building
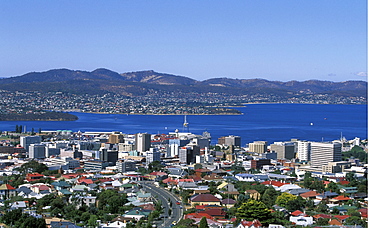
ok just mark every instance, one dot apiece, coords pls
pixel 143 142
pixel 152 155
pixel 324 152
pixel 116 138
pixel 304 150
pixel 126 166
pixel 188 154
pixel 174 145
pixel 26 141
pixel 37 151
pixel 230 140
pixel 284 150
pixel 110 156
pixel 258 147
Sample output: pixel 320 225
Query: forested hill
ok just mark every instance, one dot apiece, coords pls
pixel 102 81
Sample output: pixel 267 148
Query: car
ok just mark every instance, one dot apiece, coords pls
pixel 178 203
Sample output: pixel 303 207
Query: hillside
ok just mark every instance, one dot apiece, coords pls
pixel 101 81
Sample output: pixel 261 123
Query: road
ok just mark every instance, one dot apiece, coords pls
pixel 166 197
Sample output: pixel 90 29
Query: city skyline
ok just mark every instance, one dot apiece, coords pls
pixel 273 40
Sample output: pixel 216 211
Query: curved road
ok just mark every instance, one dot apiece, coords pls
pixel 165 196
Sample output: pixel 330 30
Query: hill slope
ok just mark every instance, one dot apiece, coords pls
pixel 102 81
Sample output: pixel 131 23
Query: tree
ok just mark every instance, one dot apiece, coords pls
pixel 33 166
pixel 332 187
pixel 203 223
pixel 322 222
pixel 93 221
pixel 186 223
pixel 307 180
pixel 252 210
pixel 269 197
pixel 279 217
pixel 284 199
pixel 155 166
pixel 296 204
pixel 317 185
pixel 322 207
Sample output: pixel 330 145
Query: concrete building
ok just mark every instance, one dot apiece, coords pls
pixel 143 142
pixel 125 147
pixel 258 147
pixel 324 152
pixel 230 140
pixel 125 166
pixel 26 141
pixel 304 151
pixel 95 165
pixel 116 138
pixel 284 150
pixel 188 154
pixel 110 156
pixel 174 145
pixel 336 167
pixel 152 155
pixel 37 151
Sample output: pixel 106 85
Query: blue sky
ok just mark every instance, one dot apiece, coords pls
pixel 272 39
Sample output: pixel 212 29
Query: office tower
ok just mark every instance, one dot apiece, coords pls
pixel 230 140
pixel 304 150
pixel 26 141
pixel 324 152
pixel 125 166
pixel 188 154
pixel 152 155
pixel 37 151
pixel 116 138
pixel 284 150
pixel 110 156
pixel 258 147
pixel 174 145
pixel 143 142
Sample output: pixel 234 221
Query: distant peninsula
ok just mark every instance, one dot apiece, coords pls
pixel 45 116
pixel 153 93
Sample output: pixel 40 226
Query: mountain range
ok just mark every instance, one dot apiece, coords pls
pixel 101 81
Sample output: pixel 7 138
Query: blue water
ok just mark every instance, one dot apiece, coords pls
pixel 267 122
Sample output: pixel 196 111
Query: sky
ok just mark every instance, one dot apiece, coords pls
pixel 279 40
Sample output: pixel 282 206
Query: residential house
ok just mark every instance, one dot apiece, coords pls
pixel 63 225
pixel 301 220
pixel 309 195
pixel 30 177
pixel 228 203
pixel 204 199
pixel 19 205
pixel 249 224
pixel 7 191
pixel 253 194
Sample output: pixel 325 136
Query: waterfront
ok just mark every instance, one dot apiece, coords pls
pixel 268 122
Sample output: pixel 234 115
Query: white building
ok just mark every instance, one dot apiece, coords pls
pixel 304 150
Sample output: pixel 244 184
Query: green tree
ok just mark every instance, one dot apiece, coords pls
pixel 322 222
pixel 322 207
pixel 203 223
pixel 269 197
pixel 284 199
pixel 278 217
pixel 307 180
pixel 31 221
pixel 254 209
pixel 93 221
pixel 332 187
pixel 186 223
pixel 317 185
pixel 155 166
pixel 296 204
